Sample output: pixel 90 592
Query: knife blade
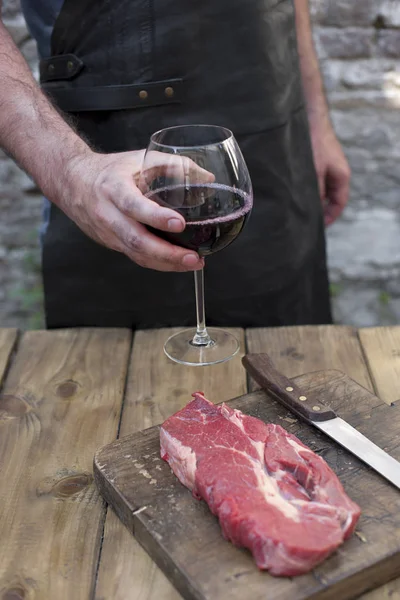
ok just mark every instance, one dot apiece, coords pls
pixel 314 412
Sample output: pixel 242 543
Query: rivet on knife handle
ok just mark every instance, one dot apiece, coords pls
pixel 263 371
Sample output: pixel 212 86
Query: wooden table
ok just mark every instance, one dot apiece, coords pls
pixel 66 393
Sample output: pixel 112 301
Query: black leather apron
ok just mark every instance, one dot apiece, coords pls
pixel 126 69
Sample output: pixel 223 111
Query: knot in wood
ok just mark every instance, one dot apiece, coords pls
pixel 292 352
pixel 68 486
pixel 15 593
pixel 67 389
pixel 12 406
pixel 74 484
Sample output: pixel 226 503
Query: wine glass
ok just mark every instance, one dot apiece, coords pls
pixel 199 171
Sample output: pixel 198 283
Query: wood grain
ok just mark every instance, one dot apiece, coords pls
pixel 185 539
pixel 381 347
pixel 8 340
pixel 297 350
pixel 156 388
pixel 61 401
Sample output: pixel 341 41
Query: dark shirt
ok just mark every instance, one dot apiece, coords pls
pixel 40 16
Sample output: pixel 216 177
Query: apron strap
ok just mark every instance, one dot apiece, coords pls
pixel 66 67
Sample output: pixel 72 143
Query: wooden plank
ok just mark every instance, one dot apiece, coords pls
pixel 156 388
pixel 185 539
pixel 8 339
pixel 301 349
pixel 381 347
pixel 61 401
pixel 297 350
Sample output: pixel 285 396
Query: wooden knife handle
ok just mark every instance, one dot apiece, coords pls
pixel 263 371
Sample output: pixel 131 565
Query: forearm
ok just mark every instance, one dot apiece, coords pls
pixel 332 169
pixel 31 130
pixel 311 76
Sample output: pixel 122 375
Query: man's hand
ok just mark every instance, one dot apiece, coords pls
pixel 104 200
pixel 98 191
pixel 332 168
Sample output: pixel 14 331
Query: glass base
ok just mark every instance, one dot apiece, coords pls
pixel 180 349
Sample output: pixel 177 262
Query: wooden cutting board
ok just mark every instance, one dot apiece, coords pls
pixel 184 538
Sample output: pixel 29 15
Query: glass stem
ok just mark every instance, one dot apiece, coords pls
pixel 201 337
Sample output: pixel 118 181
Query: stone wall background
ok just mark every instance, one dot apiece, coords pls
pixel 358 42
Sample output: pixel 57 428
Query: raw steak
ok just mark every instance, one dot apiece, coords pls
pixel 270 492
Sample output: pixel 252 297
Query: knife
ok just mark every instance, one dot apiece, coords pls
pixel 310 409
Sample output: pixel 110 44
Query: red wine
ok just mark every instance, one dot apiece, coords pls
pixel 215 215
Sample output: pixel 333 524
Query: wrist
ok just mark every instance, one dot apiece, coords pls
pixel 67 173
pixel 319 118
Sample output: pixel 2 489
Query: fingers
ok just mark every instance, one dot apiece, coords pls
pixel 337 192
pixel 130 201
pixel 155 253
pixel 177 167
pixel 135 241
pixel 118 186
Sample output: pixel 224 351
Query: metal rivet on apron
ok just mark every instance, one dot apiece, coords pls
pixel 51 68
pixel 70 65
pixel 143 94
pixel 169 92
